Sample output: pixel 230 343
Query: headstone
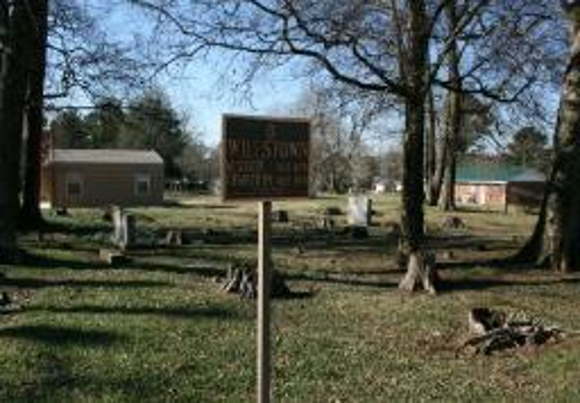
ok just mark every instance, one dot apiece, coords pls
pixel 124 229
pixel 128 231
pixel 112 257
pixel 359 232
pixel 453 222
pixel 117 214
pixel 107 214
pixel 332 211
pixel 280 216
pixel 359 211
pixel 61 212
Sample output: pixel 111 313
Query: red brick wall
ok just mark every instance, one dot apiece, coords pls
pixel 480 193
pixel 525 194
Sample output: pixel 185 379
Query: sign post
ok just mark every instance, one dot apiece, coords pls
pixel 264 159
pixel 264 287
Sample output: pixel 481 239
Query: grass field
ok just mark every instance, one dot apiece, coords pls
pixel 160 329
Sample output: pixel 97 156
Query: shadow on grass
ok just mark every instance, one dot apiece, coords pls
pixel 489 243
pixel 295 295
pixel 62 336
pixel 76 228
pixel 57 282
pixel 350 280
pixel 179 205
pixel 210 312
pixel 477 284
pixel 200 270
pixel 53 263
pixel 494 263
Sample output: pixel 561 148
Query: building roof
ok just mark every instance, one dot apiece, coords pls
pixel 497 172
pixel 105 156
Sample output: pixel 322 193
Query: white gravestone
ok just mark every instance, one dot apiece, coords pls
pixel 359 211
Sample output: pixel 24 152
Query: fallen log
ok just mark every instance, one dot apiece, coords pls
pixel 494 330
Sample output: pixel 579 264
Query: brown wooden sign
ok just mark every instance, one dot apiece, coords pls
pixel 265 158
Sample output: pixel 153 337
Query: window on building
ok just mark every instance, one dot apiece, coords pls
pixel 142 185
pixel 74 185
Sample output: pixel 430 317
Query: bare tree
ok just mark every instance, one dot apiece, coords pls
pixel 379 46
pixel 341 121
pixel 557 233
pixel 30 215
pixel 70 54
pixel 14 59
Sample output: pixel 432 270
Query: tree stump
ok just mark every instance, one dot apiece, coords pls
pixel 421 273
pixel 332 211
pixel 280 216
pixel 359 232
pixel 61 212
pixel 493 331
pixel 107 214
pixel 326 223
pixel 242 279
pixel 112 257
pixel 393 228
pixel 453 222
pixel 174 237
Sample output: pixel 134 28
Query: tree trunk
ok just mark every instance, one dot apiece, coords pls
pixel 14 29
pixel 418 275
pixel 557 232
pixel 537 249
pixel 565 227
pixel 453 117
pixel 431 188
pixel 437 182
pixel 447 194
pixel 31 216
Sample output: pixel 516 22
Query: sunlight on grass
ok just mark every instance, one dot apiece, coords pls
pixel 161 329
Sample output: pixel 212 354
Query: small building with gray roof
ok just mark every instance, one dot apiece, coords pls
pixel 98 178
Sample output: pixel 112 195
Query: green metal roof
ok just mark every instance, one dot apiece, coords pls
pixel 496 172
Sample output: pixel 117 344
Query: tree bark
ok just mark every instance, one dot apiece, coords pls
pixel 14 29
pixel 557 232
pixel 31 216
pixel 537 249
pixel 453 117
pixel 437 183
pixel 417 275
pixel 431 185
pixel 564 229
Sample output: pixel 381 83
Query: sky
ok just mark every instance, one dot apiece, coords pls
pixel 203 96
pixel 201 90
pixel 198 89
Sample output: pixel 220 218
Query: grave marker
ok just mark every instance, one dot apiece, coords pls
pixel 359 211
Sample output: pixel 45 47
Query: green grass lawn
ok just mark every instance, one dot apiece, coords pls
pixel 160 329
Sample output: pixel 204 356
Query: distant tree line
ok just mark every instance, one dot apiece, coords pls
pixel 148 121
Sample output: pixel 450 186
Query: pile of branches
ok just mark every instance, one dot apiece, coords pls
pixel 242 279
pixel 496 331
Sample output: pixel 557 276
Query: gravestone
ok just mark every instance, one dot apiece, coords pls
pixel 124 229
pixel 359 211
pixel 128 231
pixel 280 216
pixel 117 215
pixel 112 257
pixel 332 210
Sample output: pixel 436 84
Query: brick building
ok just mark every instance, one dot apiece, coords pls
pixel 498 185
